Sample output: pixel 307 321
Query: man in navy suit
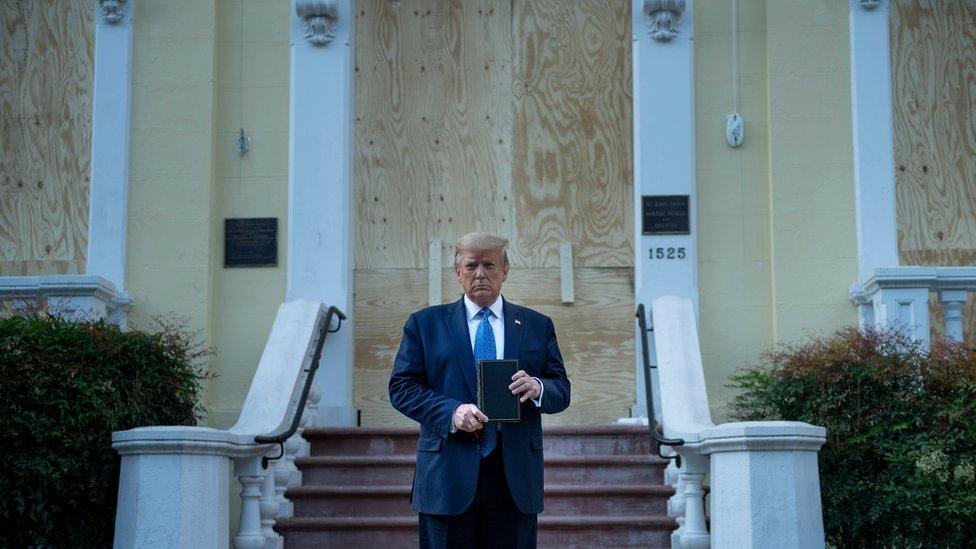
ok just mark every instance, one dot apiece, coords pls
pixel 477 484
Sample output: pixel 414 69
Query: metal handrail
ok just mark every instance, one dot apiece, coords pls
pixel 280 438
pixel 649 395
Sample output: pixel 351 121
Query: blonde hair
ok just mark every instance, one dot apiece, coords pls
pixel 480 242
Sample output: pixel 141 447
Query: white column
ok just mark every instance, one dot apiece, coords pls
pixel 320 184
pixel 952 303
pixel 108 202
pixel 664 154
pixel 874 164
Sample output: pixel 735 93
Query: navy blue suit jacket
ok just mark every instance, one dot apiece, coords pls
pixel 434 372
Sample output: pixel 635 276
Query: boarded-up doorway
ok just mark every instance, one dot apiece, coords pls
pixel 509 116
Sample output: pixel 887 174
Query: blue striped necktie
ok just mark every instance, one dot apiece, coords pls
pixel 484 349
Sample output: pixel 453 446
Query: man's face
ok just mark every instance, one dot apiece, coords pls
pixel 481 275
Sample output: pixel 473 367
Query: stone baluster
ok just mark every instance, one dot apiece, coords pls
pixel 282 475
pixel 676 504
pixel 269 508
pixel 251 476
pixel 694 534
pixel 952 302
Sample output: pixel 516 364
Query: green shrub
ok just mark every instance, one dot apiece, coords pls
pixel 66 386
pixel 898 466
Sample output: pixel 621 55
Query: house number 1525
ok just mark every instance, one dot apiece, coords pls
pixel 667 253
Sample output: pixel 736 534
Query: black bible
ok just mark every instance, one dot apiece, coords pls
pixel 495 399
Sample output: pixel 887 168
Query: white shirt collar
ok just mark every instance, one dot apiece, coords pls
pixel 471 308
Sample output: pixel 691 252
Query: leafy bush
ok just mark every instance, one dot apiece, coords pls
pixel 66 386
pixel 898 466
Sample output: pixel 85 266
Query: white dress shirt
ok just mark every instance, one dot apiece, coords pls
pixel 497 323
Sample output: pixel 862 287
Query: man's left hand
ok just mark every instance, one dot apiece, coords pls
pixel 525 386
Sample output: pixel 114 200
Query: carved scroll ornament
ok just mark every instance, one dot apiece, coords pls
pixel 111 10
pixel 663 17
pixel 319 18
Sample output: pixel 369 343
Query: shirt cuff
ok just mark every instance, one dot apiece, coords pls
pixel 542 389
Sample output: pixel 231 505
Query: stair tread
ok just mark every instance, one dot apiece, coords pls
pixel 410 459
pixel 545 521
pixel 553 490
pixel 553 430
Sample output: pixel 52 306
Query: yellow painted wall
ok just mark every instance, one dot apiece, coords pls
pixel 172 162
pixel 202 71
pixel 735 307
pixel 253 45
pixel 814 237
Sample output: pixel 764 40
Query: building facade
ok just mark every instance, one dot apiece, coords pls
pixel 376 132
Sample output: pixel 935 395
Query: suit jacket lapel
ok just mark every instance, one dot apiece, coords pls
pixel 457 325
pixel 513 330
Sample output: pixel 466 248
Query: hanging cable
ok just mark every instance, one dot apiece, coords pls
pixel 734 129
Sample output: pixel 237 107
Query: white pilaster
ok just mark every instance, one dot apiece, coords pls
pixel 108 195
pixel 874 165
pixel 664 153
pixel 320 185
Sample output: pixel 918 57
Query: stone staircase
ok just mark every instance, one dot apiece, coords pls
pixel 603 488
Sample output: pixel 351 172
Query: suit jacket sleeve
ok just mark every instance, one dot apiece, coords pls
pixel 409 391
pixel 555 395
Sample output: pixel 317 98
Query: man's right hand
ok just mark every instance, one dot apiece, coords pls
pixel 467 417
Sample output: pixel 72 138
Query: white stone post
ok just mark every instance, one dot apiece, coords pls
pixel 173 487
pixel 904 309
pixel 320 183
pixel 874 163
pixel 765 485
pixel 664 155
pixel 111 107
pixel 952 303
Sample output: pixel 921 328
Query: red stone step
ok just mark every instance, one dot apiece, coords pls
pixel 398 469
pixel 554 531
pixel 562 440
pixel 391 501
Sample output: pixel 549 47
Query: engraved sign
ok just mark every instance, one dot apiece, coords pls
pixel 251 242
pixel 665 214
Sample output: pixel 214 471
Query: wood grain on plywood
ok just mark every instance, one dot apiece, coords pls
pixel 934 101
pixel 46 72
pixel 392 134
pixel 933 71
pixel 595 335
pixel 572 171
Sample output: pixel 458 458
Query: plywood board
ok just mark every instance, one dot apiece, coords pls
pixel 573 155
pixel 933 61
pixel 433 126
pixel 46 72
pixel 933 66
pixel 595 335
pixel 512 117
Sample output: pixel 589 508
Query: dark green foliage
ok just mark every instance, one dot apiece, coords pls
pixel 898 466
pixel 65 388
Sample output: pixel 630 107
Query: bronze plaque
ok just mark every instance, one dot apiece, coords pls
pixel 251 242
pixel 665 214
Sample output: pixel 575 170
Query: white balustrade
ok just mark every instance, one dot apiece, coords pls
pixel 898 297
pixel 174 480
pixel 765 488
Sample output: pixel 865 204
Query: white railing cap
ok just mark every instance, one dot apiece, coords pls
pixel 280 375
pixel 684 400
